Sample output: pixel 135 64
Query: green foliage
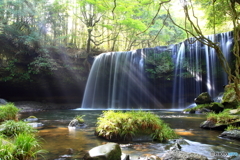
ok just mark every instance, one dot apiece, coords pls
pixel 6 149
pixel 23 146
pixel 28 146
pixel 32 117
pixel 8 112
pixel 42 63
pixel 12 128
pixel 79 118
pixel 229 97
pixel 159 65
pixel 221 118
pixel 124 125
pixel 232 127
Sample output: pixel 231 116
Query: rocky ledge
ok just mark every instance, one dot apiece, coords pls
pixel 232 134
pixel 32 106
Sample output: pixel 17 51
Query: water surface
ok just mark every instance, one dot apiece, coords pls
pixel 66 143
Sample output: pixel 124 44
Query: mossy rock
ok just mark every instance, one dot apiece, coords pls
pixel 203 108
pixel 203 98
pixel 215 107
pixel 234 111
pixel 229 99
pixel 132 125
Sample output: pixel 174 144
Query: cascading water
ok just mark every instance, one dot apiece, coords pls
pixel 123 80
pixel 198 69
pixel 117 80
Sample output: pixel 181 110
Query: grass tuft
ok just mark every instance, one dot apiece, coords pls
pixel 8 112
pixel 124 125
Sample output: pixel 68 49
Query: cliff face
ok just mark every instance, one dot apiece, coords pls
pixel 58 75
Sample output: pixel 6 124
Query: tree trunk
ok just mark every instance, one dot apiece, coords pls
pixel 89 41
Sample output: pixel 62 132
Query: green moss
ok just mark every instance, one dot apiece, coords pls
pixel 221 118
pixel 79 118
pixel 124 125
pixel 232 127
pixel 229 97
pixel 32 117
pixel 214 106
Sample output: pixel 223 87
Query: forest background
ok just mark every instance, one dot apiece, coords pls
pixel 46 45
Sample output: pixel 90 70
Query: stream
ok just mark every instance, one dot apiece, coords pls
pixel 63 143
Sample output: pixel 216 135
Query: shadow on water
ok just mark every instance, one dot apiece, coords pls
pixel 65 143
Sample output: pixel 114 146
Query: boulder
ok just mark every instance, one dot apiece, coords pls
pixel 3 101
pixel 36 125
pixel 232 134
pixel 31 119
pixel 76 124
pixel 109 151
pixel 212 125
pixel 181 155
pixel 203 98
pixel 229 99
pixel 215 107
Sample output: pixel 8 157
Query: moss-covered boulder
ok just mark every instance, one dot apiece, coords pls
pixel 203 108
pixel 203 98
pixel 109 151
pixel 220 121
pixel 229 99
pixel 127 126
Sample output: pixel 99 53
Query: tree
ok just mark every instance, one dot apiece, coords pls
pixel 231 11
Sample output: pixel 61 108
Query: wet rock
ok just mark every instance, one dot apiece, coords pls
pixel 109 151
pixel 125 157
pixel 76 124
pixel 215 107
pixel 232 134
pixel 212 125
pixel 3 101
pixel 70 151
pixel 181 155
pixel 181 141
pixel 153 157
pixel 31 119
pixel 203 98
pixel 176 147
pixel 36 125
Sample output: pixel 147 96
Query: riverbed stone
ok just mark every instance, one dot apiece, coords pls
pixel 212 125
pixel 203 98
pixel 36 124
pixel 232 134
pixel 109 151
pixel 181 155
pixel 76 124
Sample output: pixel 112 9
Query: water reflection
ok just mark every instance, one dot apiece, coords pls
pixel 62 142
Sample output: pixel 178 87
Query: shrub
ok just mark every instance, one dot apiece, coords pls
pixel 79 118
pixel 28 147
pixel 232 127
pixel 8 112
pixel 6 149
pixel 11 128
pixel 123 126
pixel 222 117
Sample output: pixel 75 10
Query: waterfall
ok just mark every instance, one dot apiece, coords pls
pixel 117 80
pixel 123 80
